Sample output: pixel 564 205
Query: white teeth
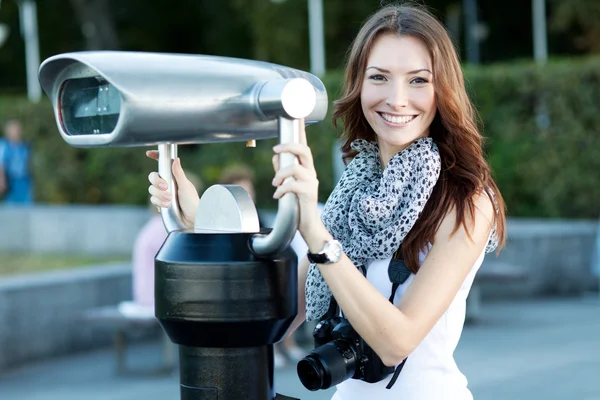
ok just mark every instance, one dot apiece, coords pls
pixel 398 120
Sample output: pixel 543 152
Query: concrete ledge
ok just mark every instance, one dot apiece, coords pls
pixel 106 230
pixel 556 255
pixel 40 313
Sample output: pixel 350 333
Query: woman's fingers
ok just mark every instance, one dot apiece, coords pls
pixel 293 186
pixel 157 181
pixel 295 171
pixel 163 195
pixel 299 150
pixel 153 154
pixel 303 132
pixel 275 161
pixel 160 196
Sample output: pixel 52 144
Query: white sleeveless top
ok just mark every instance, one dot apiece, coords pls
pixel 430 372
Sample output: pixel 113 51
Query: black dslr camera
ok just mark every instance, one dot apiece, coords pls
pixel 339 354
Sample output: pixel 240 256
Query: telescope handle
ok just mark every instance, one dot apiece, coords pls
pixel 286 220
pixel 171 216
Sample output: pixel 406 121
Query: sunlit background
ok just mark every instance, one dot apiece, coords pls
pixel 533 73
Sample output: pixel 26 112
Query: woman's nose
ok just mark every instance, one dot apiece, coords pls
pixel 397 99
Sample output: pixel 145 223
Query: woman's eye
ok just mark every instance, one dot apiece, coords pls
pixel 419 81
pixel 377 77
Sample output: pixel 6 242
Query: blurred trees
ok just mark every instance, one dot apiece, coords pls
pixel 97 24
pixel 582 16
pixel 542 173
pixel 548 170
pixel 271 30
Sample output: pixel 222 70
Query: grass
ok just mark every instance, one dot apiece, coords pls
pixel 27 263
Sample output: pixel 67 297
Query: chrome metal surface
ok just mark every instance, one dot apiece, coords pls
pixel 175 98
pixel 286 221
pixel 171 216
pixel 295 97
pixel 226 209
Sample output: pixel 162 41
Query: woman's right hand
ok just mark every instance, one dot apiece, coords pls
pixel 186 192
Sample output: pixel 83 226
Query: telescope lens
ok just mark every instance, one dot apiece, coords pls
pixel 89 106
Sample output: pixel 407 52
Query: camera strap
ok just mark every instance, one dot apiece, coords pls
pixel 398 273
pixel 282 397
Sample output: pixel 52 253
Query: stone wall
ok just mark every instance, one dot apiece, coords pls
pixel 41 314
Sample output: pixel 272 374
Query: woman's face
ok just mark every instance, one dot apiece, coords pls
pixel 397 95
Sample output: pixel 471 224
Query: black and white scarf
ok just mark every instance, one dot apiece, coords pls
pixel 372 210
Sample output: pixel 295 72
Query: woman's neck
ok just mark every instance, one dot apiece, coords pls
pixel 387 151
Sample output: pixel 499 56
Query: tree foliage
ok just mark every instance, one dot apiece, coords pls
pixel 275 31
pixel 545 167
pixel 582 16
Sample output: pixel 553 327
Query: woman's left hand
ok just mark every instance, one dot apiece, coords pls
pixel 304 184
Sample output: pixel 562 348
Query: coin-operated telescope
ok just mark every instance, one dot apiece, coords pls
pixel 225 291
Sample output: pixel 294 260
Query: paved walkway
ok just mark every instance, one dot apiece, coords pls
pixel 523 350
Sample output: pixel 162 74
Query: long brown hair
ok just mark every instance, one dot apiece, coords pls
pixel 465 172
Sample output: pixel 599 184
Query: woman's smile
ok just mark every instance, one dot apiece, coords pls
pixel 395 120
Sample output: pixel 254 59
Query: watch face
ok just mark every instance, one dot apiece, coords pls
pixel 333 250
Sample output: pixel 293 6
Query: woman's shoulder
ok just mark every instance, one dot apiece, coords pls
pixel 484 205
pixel 478 218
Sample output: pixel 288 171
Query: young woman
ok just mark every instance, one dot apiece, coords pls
pixel 417 185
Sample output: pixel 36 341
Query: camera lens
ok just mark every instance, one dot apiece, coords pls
pixel 89 106
pixel 311 374
pixel 327 365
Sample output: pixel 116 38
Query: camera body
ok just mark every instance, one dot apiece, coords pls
pixel 339 354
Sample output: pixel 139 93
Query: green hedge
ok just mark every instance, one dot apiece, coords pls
pixel 541 123
pixel 543 130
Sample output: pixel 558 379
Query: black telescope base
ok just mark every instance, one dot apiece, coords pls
pixel 233 373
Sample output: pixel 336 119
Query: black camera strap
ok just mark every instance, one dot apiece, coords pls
pixel 398 273
pixel 282 397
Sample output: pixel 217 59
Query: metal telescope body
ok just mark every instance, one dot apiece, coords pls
pixel 226 291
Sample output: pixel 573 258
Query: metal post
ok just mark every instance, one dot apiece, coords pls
pixel 471 38
pixel 596 258
pixel 3 30
pixel 29 32
pixel 540 41
pixel 540 55
pixel 316 37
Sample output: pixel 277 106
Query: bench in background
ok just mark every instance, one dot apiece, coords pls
pixel 490 271
pixel 123 325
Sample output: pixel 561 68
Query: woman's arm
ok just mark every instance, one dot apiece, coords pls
pixel 394 332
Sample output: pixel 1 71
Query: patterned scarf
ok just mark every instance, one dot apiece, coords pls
pixel 371 211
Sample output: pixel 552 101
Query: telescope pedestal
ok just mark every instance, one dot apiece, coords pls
pixel 225 307
pixel 226 373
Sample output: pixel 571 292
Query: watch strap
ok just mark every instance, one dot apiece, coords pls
pixel 317 258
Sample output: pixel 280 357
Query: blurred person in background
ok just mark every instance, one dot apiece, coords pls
pixel 147 244
pixel 16 184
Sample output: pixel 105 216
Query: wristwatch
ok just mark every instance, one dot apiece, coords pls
pixel 332 252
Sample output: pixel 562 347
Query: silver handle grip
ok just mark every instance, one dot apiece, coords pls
pixel 171 216
pixel 286 220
